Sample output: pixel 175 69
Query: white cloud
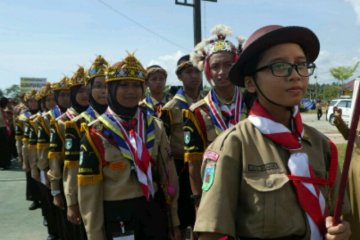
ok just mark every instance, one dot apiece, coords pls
pixel 356 5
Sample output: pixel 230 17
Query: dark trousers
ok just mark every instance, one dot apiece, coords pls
pixel 145 219
pixel 69 231
pixel 319 113
pixel 186 208
pixel 32 188
pixel 5 148
pixel 49 210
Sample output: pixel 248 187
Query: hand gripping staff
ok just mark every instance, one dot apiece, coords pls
pixel 348 153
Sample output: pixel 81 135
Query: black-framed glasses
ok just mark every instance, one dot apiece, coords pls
pixel 282 69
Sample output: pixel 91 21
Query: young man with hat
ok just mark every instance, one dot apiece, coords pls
pixel 171 115
pixel 79 99
pixel 272 176
pixel 220 109
pixel 127 182
pixel 155 81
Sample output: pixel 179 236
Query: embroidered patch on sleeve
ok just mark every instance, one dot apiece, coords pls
pixel 209 176
pixel 211 155
pixel 187 137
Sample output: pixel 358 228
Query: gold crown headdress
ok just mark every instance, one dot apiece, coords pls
pixel 44 91
pixel 29 95
pixel 79 78
pixel 127 69
pixel 63 84
pixel 97 69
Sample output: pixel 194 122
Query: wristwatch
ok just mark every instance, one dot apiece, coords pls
pixel 55 192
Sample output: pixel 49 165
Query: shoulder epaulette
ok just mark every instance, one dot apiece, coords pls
pixel 197 104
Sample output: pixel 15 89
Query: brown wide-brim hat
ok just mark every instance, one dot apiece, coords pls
pixel 268 36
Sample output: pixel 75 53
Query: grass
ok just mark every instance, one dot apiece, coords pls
pixel 341 153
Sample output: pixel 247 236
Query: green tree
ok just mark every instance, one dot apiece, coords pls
pixel 342 73
pixel 13 91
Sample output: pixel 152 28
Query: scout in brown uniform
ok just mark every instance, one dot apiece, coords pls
pixel 126 175
pixel 79 103
pixel 22 130
pixel 53 215
pixel 217 111
pixel 155 80
pixel 95 81
pixel 171 115
pixel 271 176
pixel 354 178
pixel 46 99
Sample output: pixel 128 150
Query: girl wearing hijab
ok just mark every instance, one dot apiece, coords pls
pixel 127 183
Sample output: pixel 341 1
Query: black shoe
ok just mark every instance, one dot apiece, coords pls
pixel 34 205
pixel 51 237
pixel 45 223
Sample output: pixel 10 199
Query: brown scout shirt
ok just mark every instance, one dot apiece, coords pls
pixel 105 175
pixel 250 194
pixel 171 115
pixel 56 152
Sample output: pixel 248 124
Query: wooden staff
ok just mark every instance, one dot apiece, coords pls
pixel 349 150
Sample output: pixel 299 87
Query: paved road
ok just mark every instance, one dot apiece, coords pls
pixel 17 222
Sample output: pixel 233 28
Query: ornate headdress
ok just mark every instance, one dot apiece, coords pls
pixel 217 43
pixel 79 78
pixel 29 95
pixel 44 91
pixel 97 69
pixel 63 84
pixel 127 69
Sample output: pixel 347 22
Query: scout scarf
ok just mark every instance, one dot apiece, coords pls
pixel 71 113
pixel 90 114
pixel 153 109
pixel 222 115
pixel 55 112
pixel 302 175
pixel 132 145
pixel 181 99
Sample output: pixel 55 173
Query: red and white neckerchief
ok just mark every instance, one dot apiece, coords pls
pixel 302 175
pixel 135 141
pixel 219 111
pixel 71 113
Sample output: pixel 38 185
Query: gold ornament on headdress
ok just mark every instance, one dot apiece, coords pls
pixel 79 77
pixel 63 84
pixel 45 91
pixel 97 69
pixel 31 94
pixel 128 69
pixel 214 44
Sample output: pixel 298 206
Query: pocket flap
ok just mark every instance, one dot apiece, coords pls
pixel 266 182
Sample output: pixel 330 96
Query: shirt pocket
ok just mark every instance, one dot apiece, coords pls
pixel 267 198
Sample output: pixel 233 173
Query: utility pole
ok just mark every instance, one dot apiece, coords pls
pixel 196 4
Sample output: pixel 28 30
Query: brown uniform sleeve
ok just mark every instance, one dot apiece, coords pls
pixel 169 177
pixel 90 185
pixel 56 154
pixel 25 145
pixel 342 127
pixel 43 142
pixel 221 173
pixel 33 157
pixel 71 163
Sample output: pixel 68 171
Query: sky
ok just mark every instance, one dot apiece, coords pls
pixel 50 39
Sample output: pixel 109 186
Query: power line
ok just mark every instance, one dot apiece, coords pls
pixel 142 26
